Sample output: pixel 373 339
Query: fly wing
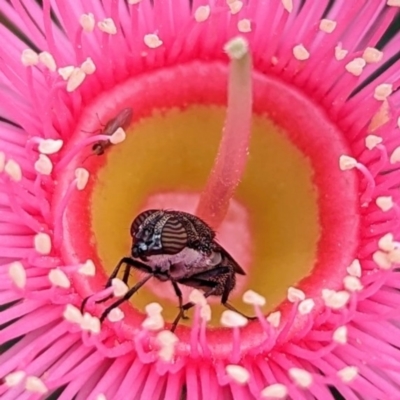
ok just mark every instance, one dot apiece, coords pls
pixel 229 259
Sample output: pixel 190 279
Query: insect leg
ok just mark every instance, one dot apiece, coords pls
pixel 178 293
pixel 126 297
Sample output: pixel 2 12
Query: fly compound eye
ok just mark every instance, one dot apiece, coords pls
pixel 174 237
pixel 140 219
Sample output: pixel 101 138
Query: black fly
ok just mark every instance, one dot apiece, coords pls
pixel 181 248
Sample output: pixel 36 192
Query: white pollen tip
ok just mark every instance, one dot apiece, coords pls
pixel 354 269
pixel 35 384
pixel 386 242
pixel 87 22
pixel 301 53
pixel 372 55
pixel 348 374
pixel 43 165
pixel 48 60
pixel 107 26
pixel 17 274
pixel 327 25
pixel 239 374
pixel 301 377
pixel 340 53
pixel 66 72
pixel 72 314
pixel 253 298
pixel 13 170
pixel 88 268
pixel 101 396
pixel 394 256
pixel 115 315
pixel 202 13
pixel 346 163
pixel 356 66
pixel 244 25
pixel 274 391
pixel 50 146
pixel 335 300
pixel 235 6
pixel 153 323
pixel 274 319
pixel 152 41
pixel 59 278
pixel 2 161
pixel 340 335
pixel 75 80
pixel 197 297
pixel 82 178
pixel 120 288
pixel 382 259
pixel 29 58
pixel 288 5
pixel 295 295
pixel 395 156
pixel 118 136
pixel 167 338
pixel 383 91
pixel 232 319
pixel 371 141
pixel 153 309
pixel 306 306
pixel 385 203
pixel 14 378
pixel 236 48
pixel 88 66
pixel 393 3
pixel 352 284
pixel 205 313
pixel 42 243
pixel 90 323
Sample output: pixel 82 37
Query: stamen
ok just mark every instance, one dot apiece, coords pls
pixel 87 22
pixel 13 170
pixel 354 269
pixel 253 298
pixel 356 66
pixel 275 391
pixel 48 60
pixel 119 287
pixel 372 55
pixel 14 378
pixel 17 274
pixel 29 58
pixel 301 53
pixel 35 384
pixel 382 259
pixel 371 141
pixel 167 341
pixel 238 373
pixel 197 297
pixel 383 91
pixel 43 165
pixel 348 374
pixel 118 136
pixel 346 163
pixel 153 309
pixel 340 335
pixel 274 319
pixel 352 284
pixel 50 146
pixel 295 295
pixel 42 243
pixel 244 25
pixel 90 323
pixel 395 156
pixel 233 150
pixel 66 72
pixel 327 25
pixel 235 6
pixel 232 319
pixel 335 300
pixel 152 41
pixel 393 3
pixel 72 314
pixel 306 306
pixel 154 322
pixel 88 268
pixel 386 242
pixel 340 53
pixel 75 80
pixel 82 178
pixel 288 5
pixel 88 66
pixel 301 377
pixel 202 13
pixel 101 396
pixel 385 203
pixel 107 26
pixel 59 278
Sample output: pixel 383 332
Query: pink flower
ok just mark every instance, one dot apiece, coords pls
pixel 322 74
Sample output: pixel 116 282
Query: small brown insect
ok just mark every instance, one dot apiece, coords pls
pixel 181 248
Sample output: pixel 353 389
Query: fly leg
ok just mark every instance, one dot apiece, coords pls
pixel 178 293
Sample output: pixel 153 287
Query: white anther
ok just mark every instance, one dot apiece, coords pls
pixel 196 297
pixel 294 294
pixel 232 319
pixel 101 396
pixel 354 269
pixel 381 258
pixel 372 55
pixel 238 373
pixel 383 91
pixel 13 170
pixel 107 26
pixel 385 203
pixel 75 80
pixel 327 25
pixel 300 53
pixel 236 48
pixel 352 284
pixel 50 146
pixel 347 374
pixel 118 136
pixel 395 156
pixel 346 163
pixel 288 5
pixel 82 178
pixel 394 256
pixel 306 306
pixel 244 25
pixel 88 66
pixel 235 6
pixel 386 242
pixel 275 391
pixel 115 315
pixel 340 53
pixel 202 13
pixel 35 384
pixel 167 341
pixel 14 378
pixel 153 322
pixel 120 288
pixel 88 268
pixel 66 72
pixel 371 141
pixel 72 314
pixel 253 298
pixel 42 243
pixel 43 165
pixel 356 66
pixel 340 335
pixel 153 309
pixel 301 377
pixel 90 323
pixel 205 313
pixel 87 22
pixel 274 319
pixel 29 58
pixel 48 60
pixel 17 274
pixel 335 300
pixel 59 278
pixel 152 41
